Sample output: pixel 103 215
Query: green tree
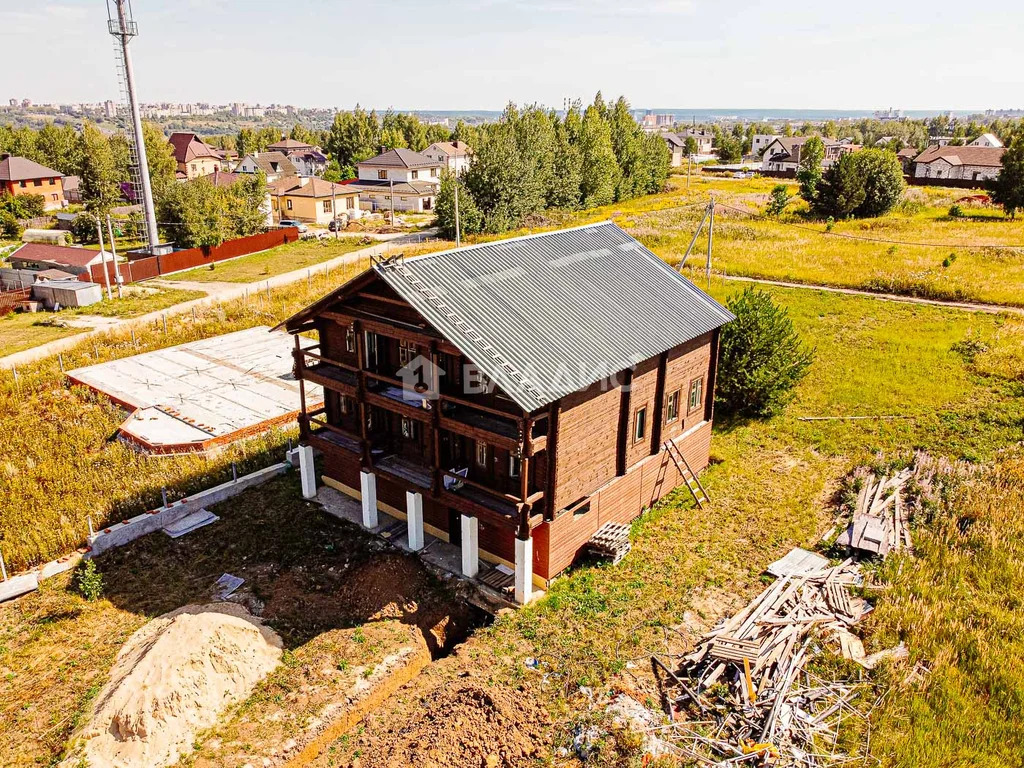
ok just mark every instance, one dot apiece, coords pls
pixel 10 229
pixel 470 217
pixel 500 179
pixel 762 358
pixel 1008 186
pixel 301 133
pixel 245 142
pixel 883 181
pixel 730 149
pixel 100 181
pixel 354 136
pixel 600 171
pixel 246 205
pixel 628 144
pixel 159 155
pixel 778 200
pixel 690 146
pixel 842 189
pixel 58 148
pixel 193 213
pixel 812 154
pixel 567 169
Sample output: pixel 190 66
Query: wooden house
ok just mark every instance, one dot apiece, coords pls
pixel 512 397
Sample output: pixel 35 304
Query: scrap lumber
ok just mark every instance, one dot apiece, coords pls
pixel 879 523
pixel 749 672
pixel 611 541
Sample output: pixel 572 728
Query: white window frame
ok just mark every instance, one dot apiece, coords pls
pixel 407 351
pixel 515 465
pixel 696 387
pixel 350 338
pixel 672 407
pixel 640 424
pixel 481 454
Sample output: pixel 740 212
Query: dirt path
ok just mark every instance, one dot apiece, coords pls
pixel 965 306
pixel 215 293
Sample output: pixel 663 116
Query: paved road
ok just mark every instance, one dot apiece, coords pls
pixel 215 293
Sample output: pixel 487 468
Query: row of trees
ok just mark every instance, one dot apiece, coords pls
pixel 532 159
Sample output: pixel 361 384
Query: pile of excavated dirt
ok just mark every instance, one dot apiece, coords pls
pixel 461 725
pixel 172 679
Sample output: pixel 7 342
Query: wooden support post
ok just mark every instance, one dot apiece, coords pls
pixel 659 404
pixel 436 478
pixel 551 458
pixel 623 439
pixel 299 371
pixel 364 435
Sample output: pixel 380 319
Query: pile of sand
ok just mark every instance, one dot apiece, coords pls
pixel 172 679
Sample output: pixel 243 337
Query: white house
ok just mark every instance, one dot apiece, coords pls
pixel 400 165
pixel 986 140
pixel 759 143
pixel 275 165
pixel 705 139
pixel 676 148
pixel 783 154
pixel 976 163
pixel 453 155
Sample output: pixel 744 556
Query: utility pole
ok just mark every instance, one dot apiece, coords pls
pixel 103 258
pixel 392 196
pixel 689 159
pixel 124 29
pixel 711 239
pixel 113 253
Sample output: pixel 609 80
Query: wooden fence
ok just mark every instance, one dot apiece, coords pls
pixel 11 300
pixel 148 267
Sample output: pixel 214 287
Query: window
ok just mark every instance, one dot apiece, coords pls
pixel 38 182
pixel 696 393
pixel 350 203
pixel 193 168
pixel 345 405
pixel 406 352
pixel 415 174
pixel 405 198
pixel 672 407
pixel 327 206
pixel 640 424
pixel 515 464
pixel 350 339
pixel 373 197
pixel 409 428
pixel 481 454
pixel 288 203
pixel 22 184
pixel 382 174
pixel 371 350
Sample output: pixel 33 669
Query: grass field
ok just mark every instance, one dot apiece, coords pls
pixel 284 258
pixel 796 249
pixel 19 331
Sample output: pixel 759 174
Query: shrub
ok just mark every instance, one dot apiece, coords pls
pixel 778 201
pixel 10 229
pixel 89 581
pixel 83 230
pixel 864 184
pixel 762 358
pixel 955 211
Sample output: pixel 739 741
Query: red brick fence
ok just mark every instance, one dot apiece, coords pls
pixel 154 266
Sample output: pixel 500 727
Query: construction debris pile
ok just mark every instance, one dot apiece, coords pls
pixel 880 518
pixel 611 542
pixel 748 678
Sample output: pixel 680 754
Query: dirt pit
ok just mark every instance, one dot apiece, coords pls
pixel 463 723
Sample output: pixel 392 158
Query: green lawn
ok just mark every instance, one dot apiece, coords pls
pixel 20 331
pixel 284 258
pixel 137 300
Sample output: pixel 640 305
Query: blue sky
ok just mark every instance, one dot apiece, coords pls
pixel 463 54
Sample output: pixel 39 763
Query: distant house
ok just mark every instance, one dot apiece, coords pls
pixel 21 176
pixel 783 154
pixel 72 189
pixel 705 139
pixel 400 165
pixel 453 155
pixel 40 256
pixel 194 156
pixel 986 140
pixel 906 157
pixel 975 163
pixel 307 159
pixel 275 165
pixel 676 147
pixel 760 141
pixel 399 179
pixel 313 200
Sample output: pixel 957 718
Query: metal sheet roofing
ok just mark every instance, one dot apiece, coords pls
pixel 546 315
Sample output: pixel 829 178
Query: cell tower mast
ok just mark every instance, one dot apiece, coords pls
pixel 123 28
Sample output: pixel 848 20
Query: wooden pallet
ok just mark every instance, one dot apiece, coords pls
pixel 499 580
pixel 733 649
pixel 611 541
